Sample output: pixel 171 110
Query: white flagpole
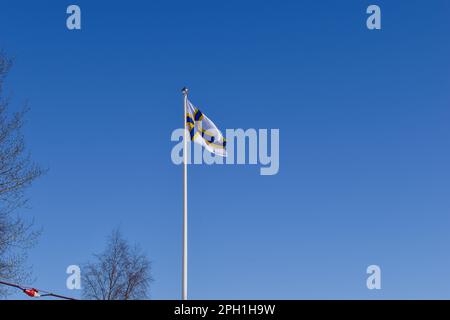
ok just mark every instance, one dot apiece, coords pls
pixel 185 216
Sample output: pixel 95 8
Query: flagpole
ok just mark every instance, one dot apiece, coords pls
pixel 184 278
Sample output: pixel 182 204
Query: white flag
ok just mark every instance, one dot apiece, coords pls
pixel 203 131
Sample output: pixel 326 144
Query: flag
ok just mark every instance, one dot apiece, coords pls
pixel 204 132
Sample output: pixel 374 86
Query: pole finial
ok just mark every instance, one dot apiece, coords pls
pixel 185 91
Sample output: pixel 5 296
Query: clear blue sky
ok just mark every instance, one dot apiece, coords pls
pixel 364 127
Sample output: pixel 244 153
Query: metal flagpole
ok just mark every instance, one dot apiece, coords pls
pixel 185 216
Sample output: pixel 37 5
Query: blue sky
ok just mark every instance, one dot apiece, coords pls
pixel 364 142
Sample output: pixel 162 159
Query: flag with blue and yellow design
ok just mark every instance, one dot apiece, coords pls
pixel 204 132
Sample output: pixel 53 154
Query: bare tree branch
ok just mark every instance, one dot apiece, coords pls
pixel 118 273
pixel 17 172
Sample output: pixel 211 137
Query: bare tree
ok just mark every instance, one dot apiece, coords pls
pixel 17 172
pixel 120 272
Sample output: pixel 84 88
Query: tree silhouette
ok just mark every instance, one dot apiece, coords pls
pixel 120 272
pixel 17 172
